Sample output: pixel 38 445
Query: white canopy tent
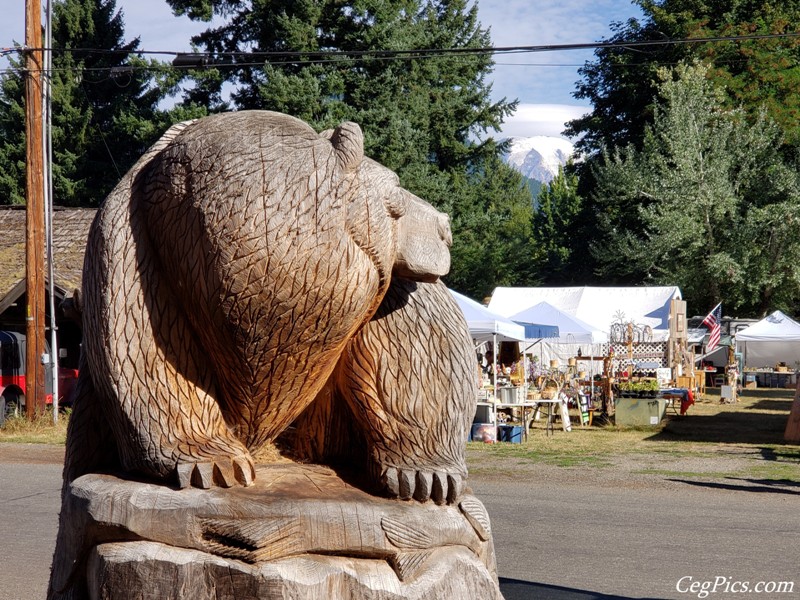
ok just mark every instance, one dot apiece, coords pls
pixel 773 339
pixel 575 336
pixel 570 329
pixel 485 325
pixel 597 307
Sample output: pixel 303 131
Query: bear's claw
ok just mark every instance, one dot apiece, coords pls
pixel 441 487
pixel 225 472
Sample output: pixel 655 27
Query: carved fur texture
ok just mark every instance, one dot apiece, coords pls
pixel 225 276
pixel 407 376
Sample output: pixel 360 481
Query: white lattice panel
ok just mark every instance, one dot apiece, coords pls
pixel 651 352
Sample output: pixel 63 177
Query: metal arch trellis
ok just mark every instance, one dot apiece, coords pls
pixel 617 333
pixel 623 331
pixel 627 333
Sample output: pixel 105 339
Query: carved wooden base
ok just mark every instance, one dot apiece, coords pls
pixel 153 571
pixel 299 532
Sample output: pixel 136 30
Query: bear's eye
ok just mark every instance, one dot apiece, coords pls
pixel 397 203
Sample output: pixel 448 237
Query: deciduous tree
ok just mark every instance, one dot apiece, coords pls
pixel 704 204
pixel 754 74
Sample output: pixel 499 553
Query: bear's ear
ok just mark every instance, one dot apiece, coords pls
pixel 397 203
pixel 348 141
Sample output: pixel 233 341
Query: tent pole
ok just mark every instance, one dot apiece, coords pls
pixel 494 376
pixel 524 377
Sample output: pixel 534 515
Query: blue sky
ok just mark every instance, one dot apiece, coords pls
pixel 542 82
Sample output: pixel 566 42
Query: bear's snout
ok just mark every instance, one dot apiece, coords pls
pixel 443 226
pixel 423 242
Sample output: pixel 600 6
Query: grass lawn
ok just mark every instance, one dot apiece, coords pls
pixel 40 430
pixel 712 440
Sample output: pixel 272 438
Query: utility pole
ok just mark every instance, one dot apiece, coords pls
pixel 34 222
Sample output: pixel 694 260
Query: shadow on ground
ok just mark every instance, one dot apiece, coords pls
pixel 516 589
pixel 787 454
pixel 780 404
pixel 761 486
pixel 726 428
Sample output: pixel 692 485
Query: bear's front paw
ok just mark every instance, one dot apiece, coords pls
pixel 406 483
pixel 222 472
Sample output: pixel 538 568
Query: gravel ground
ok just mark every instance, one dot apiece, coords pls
pixel 634 471
pixel 38 454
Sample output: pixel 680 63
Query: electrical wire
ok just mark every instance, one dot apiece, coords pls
pixel 246 59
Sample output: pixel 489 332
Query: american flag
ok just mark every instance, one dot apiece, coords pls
pixel 713 321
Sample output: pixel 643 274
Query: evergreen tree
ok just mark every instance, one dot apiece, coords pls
pixel 104 105
pixel 12 136
pixel 555 223
pixel 491 219
pixel 421 113
pixel 620 85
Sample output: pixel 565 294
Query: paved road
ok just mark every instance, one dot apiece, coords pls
pixel 30 498
pixel 584 542
pixel 558 539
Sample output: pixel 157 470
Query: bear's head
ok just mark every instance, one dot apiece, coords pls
pixel 387 221
pixel 422 235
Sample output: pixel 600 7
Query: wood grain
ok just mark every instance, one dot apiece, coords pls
pixel 224 277
pixel 304 514
pixel 250 279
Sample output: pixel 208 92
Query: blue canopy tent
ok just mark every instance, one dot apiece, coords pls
pixel 536 331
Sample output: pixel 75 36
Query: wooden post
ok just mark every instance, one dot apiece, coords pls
pixel 34 222
pixel 732 375
pixel 792 433
pixel 608 390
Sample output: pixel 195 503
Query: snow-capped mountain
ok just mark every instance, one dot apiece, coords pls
pixel 539 157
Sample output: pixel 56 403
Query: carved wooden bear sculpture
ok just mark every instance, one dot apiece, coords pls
pixel 402 398
pixel 225 276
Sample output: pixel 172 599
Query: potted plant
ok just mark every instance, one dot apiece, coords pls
pixel 638 389
pixel 650 388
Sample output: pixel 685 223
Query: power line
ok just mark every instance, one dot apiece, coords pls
pixel 372 53
pixel 193 60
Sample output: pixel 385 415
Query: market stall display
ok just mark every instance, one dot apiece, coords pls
pixel 772 341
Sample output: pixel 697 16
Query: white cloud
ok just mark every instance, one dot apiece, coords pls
pixel 540 119
pixel 150 20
